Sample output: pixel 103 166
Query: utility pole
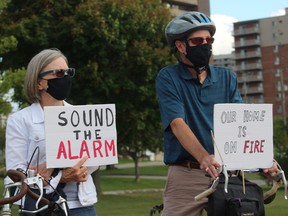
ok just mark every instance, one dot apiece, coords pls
pixel 283 96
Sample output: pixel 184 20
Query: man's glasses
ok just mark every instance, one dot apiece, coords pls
pixel 199 40
pixel 60 73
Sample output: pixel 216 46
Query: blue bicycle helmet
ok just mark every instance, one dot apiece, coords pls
pixel 183 25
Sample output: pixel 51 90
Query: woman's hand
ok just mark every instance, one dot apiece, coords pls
pixel 43 171
pixel 77 173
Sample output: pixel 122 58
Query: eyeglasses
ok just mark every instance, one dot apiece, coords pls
pixel 199 40
pixel 60 73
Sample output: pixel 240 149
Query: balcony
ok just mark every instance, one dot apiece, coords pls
pixel 247 43
pixel 246 31
pixel 251 66
pixel 246 90
pixel 253 99
pixel 244 78
pixel 247 55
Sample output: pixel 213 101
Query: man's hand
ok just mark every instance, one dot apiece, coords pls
pixel 77 173
pixel 269 172
pixel 210 165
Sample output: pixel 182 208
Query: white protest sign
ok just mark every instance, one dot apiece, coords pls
pixel 243 135
pixel 73 132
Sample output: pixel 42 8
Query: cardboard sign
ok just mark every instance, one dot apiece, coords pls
pixel 243 135
pixel 73 132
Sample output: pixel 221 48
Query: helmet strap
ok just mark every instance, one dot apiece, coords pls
pixel 197 69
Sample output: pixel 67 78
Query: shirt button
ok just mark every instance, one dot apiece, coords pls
pixel 84 200
pixel 36 138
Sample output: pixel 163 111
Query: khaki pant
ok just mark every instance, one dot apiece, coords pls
pixel 182 185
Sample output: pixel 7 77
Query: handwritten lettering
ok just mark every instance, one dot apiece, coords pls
pixel 230 147
pixel 96 117
pixel 253 146
pixel 97 148
pixel 228 117
pixel 255 115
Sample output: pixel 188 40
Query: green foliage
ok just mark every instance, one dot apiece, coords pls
pixel 281 144
pixel 7 44
pixel 3 4
pixel 117 46
pixel 131 51
pixel 13 80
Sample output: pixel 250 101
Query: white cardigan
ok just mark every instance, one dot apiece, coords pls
pixel 24 132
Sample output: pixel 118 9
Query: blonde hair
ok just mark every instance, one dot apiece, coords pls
pixel 35 66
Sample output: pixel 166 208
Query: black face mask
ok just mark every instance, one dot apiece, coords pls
pixel 199 55
pixel 59 88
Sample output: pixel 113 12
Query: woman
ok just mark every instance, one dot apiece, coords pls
pixel 47 83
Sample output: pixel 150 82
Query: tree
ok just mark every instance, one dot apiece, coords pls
pixel 7 43
pixel 132 49
pixel 117 47
pixel 280 141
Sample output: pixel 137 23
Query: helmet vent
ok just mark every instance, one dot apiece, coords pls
pixel 204 18
pixel 188 20
pixel 197 18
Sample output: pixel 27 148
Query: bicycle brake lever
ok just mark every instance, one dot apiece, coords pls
pixel 285 183
pixel 36 180
pixel 61 201
pixel 224 171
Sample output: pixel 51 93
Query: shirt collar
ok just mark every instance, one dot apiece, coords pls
pixel 38 112
pixel 185 73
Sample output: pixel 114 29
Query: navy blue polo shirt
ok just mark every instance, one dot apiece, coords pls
pixel 181 95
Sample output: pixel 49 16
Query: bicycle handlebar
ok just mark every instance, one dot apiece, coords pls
pixel 277 180
pixel 18 177
pixel 20 180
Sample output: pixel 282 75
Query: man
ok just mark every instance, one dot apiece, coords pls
pixel 187 92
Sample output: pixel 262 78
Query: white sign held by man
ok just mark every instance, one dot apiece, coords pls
pixel 243 135
pixel 73 132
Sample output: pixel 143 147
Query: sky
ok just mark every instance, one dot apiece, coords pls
pixel 225 12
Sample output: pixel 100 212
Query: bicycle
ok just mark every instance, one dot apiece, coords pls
pixel 23 183
pixel 268 196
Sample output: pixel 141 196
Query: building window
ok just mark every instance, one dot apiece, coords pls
pixel 277 61
pixel 279 86
pixel 277 72
pixel 279 96
pixel 279 109
pixel 276 49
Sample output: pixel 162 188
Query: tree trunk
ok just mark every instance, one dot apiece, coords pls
pixel 137 171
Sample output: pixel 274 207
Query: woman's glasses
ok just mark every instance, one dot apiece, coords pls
pixel 199 40
pixel 59 73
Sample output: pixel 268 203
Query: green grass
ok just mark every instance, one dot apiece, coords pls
pixel 117 183
pixel 140 202
pixel 132 204
pixel 151 170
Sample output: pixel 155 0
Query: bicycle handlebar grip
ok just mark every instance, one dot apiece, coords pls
pixel 204 194
pixel 269 194
pixel 15 176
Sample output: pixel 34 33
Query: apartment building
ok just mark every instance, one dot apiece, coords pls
pixel 261 61
pixel 225 60
pixel 178 7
